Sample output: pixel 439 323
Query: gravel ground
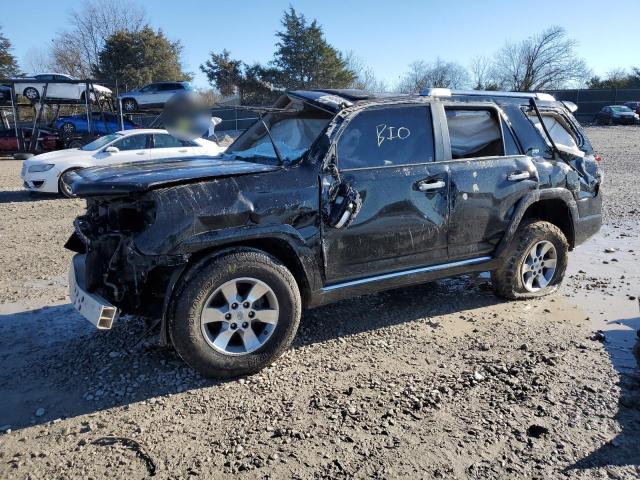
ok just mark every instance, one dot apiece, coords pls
pixel 442 380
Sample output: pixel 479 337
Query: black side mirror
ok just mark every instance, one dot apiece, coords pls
pixel 345 204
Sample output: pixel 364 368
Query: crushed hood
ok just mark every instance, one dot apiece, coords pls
pixel 139 177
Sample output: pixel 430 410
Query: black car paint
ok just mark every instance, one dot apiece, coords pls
pixel 147 223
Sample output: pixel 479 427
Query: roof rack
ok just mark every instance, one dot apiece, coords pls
pixel 446 92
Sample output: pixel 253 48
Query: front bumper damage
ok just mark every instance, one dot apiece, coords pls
pixel 111 276
pixel 93 307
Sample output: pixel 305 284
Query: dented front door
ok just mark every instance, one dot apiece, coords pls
pixel 387 155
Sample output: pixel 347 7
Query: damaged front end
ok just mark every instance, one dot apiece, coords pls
pixel 110 266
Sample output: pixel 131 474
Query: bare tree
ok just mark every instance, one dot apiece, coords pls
pixel 366 78
pixel 546 60
pixel 435 74
pixel 482 73
pixel 37 59
pixel 75 51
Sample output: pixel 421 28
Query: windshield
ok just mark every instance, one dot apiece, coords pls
pixel 293 133
pixel 620 109
pixel 100 142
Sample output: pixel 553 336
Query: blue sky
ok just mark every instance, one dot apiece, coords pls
pixel 387 35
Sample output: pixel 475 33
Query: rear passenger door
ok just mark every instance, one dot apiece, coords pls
pixel 388 155
pixel 489 175
pixel 166 91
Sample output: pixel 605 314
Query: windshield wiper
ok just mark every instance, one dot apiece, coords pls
pixel 273 143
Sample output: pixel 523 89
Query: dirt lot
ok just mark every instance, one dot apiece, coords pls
pixel 442 380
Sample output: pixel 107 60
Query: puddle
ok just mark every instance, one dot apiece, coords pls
pixel 603 279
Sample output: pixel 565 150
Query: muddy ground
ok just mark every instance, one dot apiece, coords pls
pixel 442 380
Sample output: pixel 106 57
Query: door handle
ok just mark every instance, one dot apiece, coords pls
pixel 427 185
pixel 140 153
pixel 516 176
pixel 183 151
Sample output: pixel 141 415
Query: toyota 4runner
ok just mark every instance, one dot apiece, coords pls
pixel 329 195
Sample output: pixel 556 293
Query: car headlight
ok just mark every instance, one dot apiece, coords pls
pixel 637 117
pixel 40 168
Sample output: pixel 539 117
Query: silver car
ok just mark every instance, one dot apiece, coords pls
pixel 152 95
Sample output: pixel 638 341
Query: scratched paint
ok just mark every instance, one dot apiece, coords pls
pixel 145 222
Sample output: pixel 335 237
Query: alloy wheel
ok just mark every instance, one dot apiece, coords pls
pixel 539 266
pixel 31 93
pixel 239 316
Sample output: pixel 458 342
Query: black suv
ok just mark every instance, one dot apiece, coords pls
pixel 329 195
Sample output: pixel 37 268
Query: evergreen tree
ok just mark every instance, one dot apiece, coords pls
pixel 231 76
pixel 8 63
pixel 304 59
pixel 137 58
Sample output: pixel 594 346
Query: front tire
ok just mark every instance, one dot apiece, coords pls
pixel 235 315
pixel 63 187
pixel 535 263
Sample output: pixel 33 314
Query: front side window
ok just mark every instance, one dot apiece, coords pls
pixel 132 142
pixel 474 133
pixel 100 142
pixel 383 137
pixel 293 131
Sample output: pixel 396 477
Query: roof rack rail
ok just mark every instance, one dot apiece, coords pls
pixel 436 92
pixel 446 92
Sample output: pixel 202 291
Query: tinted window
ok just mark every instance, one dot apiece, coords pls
pixel 474 133
pixel 510 144
pixel 387 136
pixel 170 86
pixel 166 141
pixel 133 142
pixel 150 88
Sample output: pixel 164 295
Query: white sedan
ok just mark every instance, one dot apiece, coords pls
pixel 34 89
pixel 44 173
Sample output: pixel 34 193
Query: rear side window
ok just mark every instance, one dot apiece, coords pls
pixel 474 133
pixel 170 86
pixel 384 137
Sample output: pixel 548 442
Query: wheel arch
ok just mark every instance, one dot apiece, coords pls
pixel 274 246
pixel 554 205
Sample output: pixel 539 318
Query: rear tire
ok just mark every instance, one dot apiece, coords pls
pixel 68 129
pixel 535 263
pixel 217 317
pixel 31 93
pixel 129 105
